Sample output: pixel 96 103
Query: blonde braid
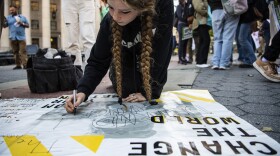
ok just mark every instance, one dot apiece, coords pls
pixel 116 50
pixel 147 35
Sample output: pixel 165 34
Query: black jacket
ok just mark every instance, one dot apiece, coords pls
pixel 248 16
pixel 215 4
pixel 101 55
pixel 183 12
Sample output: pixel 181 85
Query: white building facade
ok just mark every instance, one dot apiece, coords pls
pixel 46 23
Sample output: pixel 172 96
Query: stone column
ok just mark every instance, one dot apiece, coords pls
pixel 46 28
pixel 5 43
pixel 62 28
pixel 26 12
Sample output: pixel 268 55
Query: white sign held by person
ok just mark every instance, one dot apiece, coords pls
pixel 186 33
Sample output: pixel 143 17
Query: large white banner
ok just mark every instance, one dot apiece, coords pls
pixel 186 122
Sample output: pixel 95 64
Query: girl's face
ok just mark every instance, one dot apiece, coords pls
pixel 121 12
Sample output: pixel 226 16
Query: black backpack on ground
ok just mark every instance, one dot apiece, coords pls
pixel 51 75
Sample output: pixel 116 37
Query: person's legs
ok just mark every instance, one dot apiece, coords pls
pixel 22 53
pixel 87 25
pixel 266 33
pixel 239 48
pixel 173 43
pixel 217 27
pixel 229 30
pixel 204 44
pixel 71 19
pixel 182 44
pixel 15 48
pixel 196 41
pixel 244 38
pixel 189 50
pixel 272 52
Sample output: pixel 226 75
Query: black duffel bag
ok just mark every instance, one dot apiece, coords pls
pixel 52 75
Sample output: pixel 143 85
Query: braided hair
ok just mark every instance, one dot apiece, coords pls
pixel 147 9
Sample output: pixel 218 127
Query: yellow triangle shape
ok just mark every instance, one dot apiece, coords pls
pixel 92 142
pixel 25 145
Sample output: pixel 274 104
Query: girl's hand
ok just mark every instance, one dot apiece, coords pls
pixel 69 106
pixel 135 97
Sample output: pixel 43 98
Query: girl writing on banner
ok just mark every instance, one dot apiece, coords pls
pixel 134 43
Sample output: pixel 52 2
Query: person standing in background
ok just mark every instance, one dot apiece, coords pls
pixel 183 11
pixel 79 18
pixel 17 24
pixel 245 44
pixel 190 17
pixel 224 28
pixel 2 18
pixel 201 15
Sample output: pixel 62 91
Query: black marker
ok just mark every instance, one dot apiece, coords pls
pixel 74 100
pixel 121 103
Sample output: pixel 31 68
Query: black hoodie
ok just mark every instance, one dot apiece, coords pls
pixel 101 55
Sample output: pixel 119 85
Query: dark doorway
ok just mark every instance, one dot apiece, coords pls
pixel 54 43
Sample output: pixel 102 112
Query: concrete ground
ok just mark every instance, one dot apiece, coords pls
pixel 243 91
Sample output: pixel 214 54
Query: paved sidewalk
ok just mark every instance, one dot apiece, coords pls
pixel 243 91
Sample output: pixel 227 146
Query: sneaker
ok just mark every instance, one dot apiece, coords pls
pixel 224 68
pixel 268 70
pixel 203 65
pixel 17 67
pixel 214 67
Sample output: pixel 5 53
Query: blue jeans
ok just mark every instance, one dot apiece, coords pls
pixel 224 29
pixel 244 44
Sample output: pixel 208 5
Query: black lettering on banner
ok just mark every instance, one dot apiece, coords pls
pixel 58 101
pixel 220 132
pixel 185 150
pixel 229 120
pixel 166 146
pixel 193 120
pixel 58 106
pixel 215 144
pixel 157 119
pixel 142 149
pixel 204 131
pixel 240 145
pixel 48 106
pixel 53 105
pixel 208 121
pixel 271 150
pixel 245 133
